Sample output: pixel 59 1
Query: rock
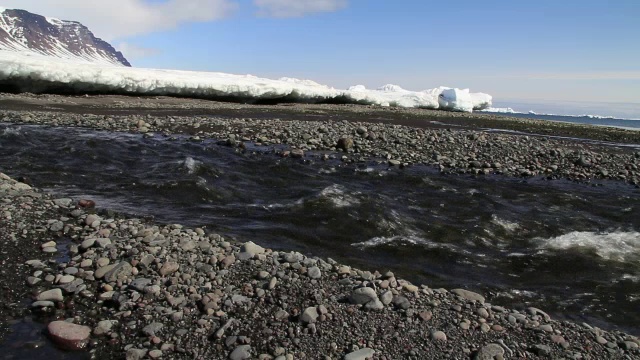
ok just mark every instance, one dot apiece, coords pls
pixel 140 283
pixel 314 272
pixel 65 202
pixel 152 329
pixel 410 288
pixel 541 350
pixel 155 354
pixel 242 352
pixel 87 243
pixel 536 311
pixel 374 304
pixel 249 250
pixel 69 336
pixel 362 354
pixel 297 153
pixel 101 272
pixel 439 336
pixel 344 143
pixel 119 271
pixel 490 352
pixel 50 295
pixel 85 203
pixel 309 315
pixel 469 295
pixel 42 304
pixel 386 297
pixel 362 295
pixel 91 219
pixel 135 354
pixel 401 302
pixel 104 327
pixel 168 268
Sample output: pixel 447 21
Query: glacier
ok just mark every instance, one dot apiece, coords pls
pixel 26 72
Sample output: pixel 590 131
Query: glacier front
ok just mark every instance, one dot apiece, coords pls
pixel 33 73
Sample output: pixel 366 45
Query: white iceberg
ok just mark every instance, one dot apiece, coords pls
pixel 34 73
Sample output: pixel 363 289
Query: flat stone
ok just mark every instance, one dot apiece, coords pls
pixel 101 272
pixel 104 327
pixel 490 352
pixel 168 268
pixel 66 279
pixel 309 315
pixel 91 219
pixel 135 354
pixel 139 284
pixel 249 249
pixel 374 304
pixel 69 336
pixel 152 329
pixel 401 302
pixel 50 295
pixel 387 297
pixel 362 354
pixel 469 295
pixel 42 304
pixel 242 352
pixel 439 336
pixel 119 271
pixel 362 295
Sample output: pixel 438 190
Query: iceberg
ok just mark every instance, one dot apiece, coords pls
pixel 27 72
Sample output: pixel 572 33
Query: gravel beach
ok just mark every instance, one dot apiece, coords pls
pixel 112 286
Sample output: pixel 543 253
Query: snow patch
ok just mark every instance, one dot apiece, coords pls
pixel 38 73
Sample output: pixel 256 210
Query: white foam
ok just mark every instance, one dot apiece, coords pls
pixel 402 240
pixel 191 165
pixel 30 68
pixel 338 196
pixel 617 246
pixel 505 224
pixel 11 131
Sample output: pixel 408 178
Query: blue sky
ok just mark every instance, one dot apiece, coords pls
pixel 565 50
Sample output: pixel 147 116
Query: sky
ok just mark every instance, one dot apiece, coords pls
pixel 569 50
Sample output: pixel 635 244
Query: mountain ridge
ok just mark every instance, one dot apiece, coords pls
pixel 23 31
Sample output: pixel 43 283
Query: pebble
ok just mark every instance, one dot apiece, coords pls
pixel 469 295
pixel 362 354
pixel 309 315
pixel 314 272
pixel 69 336
pixel 363 295
pixel 50 295
pixel 439 336
pixel 241 352
pixel 490 352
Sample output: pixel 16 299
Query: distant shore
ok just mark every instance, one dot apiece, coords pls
pixel 140 289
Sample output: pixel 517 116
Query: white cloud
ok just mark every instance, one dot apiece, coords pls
pixel 297 8
pixel 117 19
pixel 133 51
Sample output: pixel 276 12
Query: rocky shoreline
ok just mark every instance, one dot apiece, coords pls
pixel 134 289
pixel 116 286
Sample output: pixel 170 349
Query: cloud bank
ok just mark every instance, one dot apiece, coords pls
pixel 117 19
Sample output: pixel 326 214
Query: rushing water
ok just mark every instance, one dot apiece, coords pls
pixel 571 249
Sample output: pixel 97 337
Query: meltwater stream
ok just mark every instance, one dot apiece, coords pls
pixel 571 249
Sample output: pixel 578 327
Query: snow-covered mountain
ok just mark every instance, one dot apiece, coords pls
pixel 25 32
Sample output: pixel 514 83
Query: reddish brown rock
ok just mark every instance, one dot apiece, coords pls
pixel 169 268
pixel 69 336
pixel 84 203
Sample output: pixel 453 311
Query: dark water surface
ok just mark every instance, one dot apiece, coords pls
pixel 571 249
